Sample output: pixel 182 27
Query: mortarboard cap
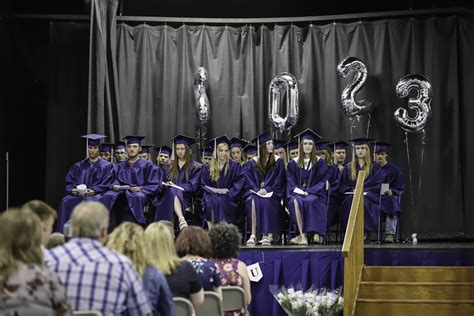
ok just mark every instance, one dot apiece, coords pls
pixel 278 143
pixel 250 149
pixel 292 145
pixel 338 145
pixel 322 145
pixel 381 147
pixel 308 134
pixel 205 152
pixel 361 141
pixel 218 140
pixel 106 147
pixel 119 145
pixel 93 139
pixel 134 139
pixel 164 150
pixel 237 142
pixel 146 149
pixel 262 138
pixel 183 139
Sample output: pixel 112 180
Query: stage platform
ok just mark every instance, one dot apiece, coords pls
pixel 323 265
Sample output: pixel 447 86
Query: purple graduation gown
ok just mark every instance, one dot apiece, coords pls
pixel 143 174
pixel 97 176
pixel 313 206
pixel 371 199
pixel 267 210
pixel 224 206
pixel 393 175
pixel 335 198
pixel 164 204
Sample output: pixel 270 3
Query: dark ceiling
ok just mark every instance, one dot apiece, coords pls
pixel 230 8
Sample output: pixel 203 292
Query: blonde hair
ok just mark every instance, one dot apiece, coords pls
pixel 20 241
pixel 326 155
pixel 214 170
pixel 367 164
pixel 243 158
pixel 129 239
pixel 162 252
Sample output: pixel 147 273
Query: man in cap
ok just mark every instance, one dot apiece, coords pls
pixel 120 152
pixel 250 152
pixel 106 151
pixel 339 153
pixel 86 180
pixel 145 152
pixel 163 157
pixel 292 147
pixel 136 183
pixel 205 154
pixel 393 184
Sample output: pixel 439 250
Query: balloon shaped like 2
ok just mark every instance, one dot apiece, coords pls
pixel 350 106
pixel 420 104
pixel 284 83
pixel 201 102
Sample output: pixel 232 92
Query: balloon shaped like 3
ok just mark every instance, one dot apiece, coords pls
pixel 283 83
pixel 201 102
pixel 350 106
pixel 420 104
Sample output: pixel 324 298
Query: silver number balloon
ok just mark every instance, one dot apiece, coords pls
pixel 420 104
pixel 350 106
pixel 283 83
pixel 201 102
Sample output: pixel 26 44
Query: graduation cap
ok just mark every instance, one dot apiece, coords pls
pixel 93 139
pixel 322 145
pixel 250 149
pixel 278 143
pixel 205 152
pixel 338 145
pixel 292 145
pixel 183 140
pixel 146 149
pixel 237 142
pixel 106 147
pixel 134 139
pixel 119 145
pixel 381 147
pixel 261 139
pixel 165 150
pixel 308 134
pixel 217 141
pixel 361 141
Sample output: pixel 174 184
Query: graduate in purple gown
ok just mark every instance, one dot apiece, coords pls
pixel 105 151
pixel 264 175
pixel 306 190
pixel 280 150
pixel 227 176
pixel 336 166
pixel 205 155
pixel 163 156
pixel 145 152
pixel 250 152
pixel 93 174
pixel 136 183
pixel 237 150
pixel 362 161
pixel 392 176
pixel 120 152
pixel 292 147
pixel 183 183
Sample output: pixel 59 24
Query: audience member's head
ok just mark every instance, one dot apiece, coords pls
pixel 193 241
pixel 162 251
pixel 56 239
pixel 168 224
pixel 225 239
pixel 90 220
pixel 129 239
pixel 46 214
pixel 20 241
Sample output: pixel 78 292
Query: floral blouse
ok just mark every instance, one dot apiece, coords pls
pixel 207 272
pixel 33 290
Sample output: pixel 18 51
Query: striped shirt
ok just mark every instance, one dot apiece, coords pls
pixel 98 278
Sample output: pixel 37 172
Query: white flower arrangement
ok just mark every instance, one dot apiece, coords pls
pixel 297 302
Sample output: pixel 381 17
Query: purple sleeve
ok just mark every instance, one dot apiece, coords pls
pixel 292 176
pixel 277 180
pixel 319 178
pixel 238 182
pixel 105 180
pixel 194 183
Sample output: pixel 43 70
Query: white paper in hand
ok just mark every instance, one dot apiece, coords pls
pixel 384 188
pixel 217 190
pixel 124 187
pixel 82 188
pixel 173 186
pixel 268 195
pixel 299 191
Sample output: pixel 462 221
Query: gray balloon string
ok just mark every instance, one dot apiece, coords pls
pixel 421 170
pixel 368 124
pixel 411 181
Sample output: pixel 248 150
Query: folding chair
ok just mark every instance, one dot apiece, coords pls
pixel 233 298
pixel 212 305
pixel 87 313
pixel 183 306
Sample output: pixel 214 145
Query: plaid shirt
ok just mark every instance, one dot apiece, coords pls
pixel 98 278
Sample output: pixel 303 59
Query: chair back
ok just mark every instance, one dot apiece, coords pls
pixel 87 313
pixel 233 298
pixel 212 305
pixel 183 306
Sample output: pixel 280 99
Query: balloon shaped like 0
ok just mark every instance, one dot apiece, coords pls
pixel 350 106
pixel 283 83
pixel 201 101
pixel 420 104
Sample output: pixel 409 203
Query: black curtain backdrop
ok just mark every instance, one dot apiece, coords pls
pixel 154 75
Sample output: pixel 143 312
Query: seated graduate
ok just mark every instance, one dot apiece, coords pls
pixel 394 186
pixel 136 183
pixel 237 150
pixel 105 151
pixel 265 184
pixel 145 152
pixel 93 174
pixel 163 156
pixel 362 161
pixel 340 154
pixel 250 152
pixel 120 152
pixel 292 147
pixel 335 171
pixel 280 151
pixel 222 182
pixel 205 154
pixel 306 190
pixel 182 185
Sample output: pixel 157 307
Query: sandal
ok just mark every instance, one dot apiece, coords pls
pixel 182 223
pixel 251 241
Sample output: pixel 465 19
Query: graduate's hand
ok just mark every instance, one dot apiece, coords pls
pixel 169 183
pixel 135 189
pixel 116 188
pixel 90 192
pixel 341 167
pixel 262 192
pixel 75 192
pixel 388 192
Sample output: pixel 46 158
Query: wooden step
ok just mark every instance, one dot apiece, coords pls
pixel 417 290
pixel 384 307
pixel 417 274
